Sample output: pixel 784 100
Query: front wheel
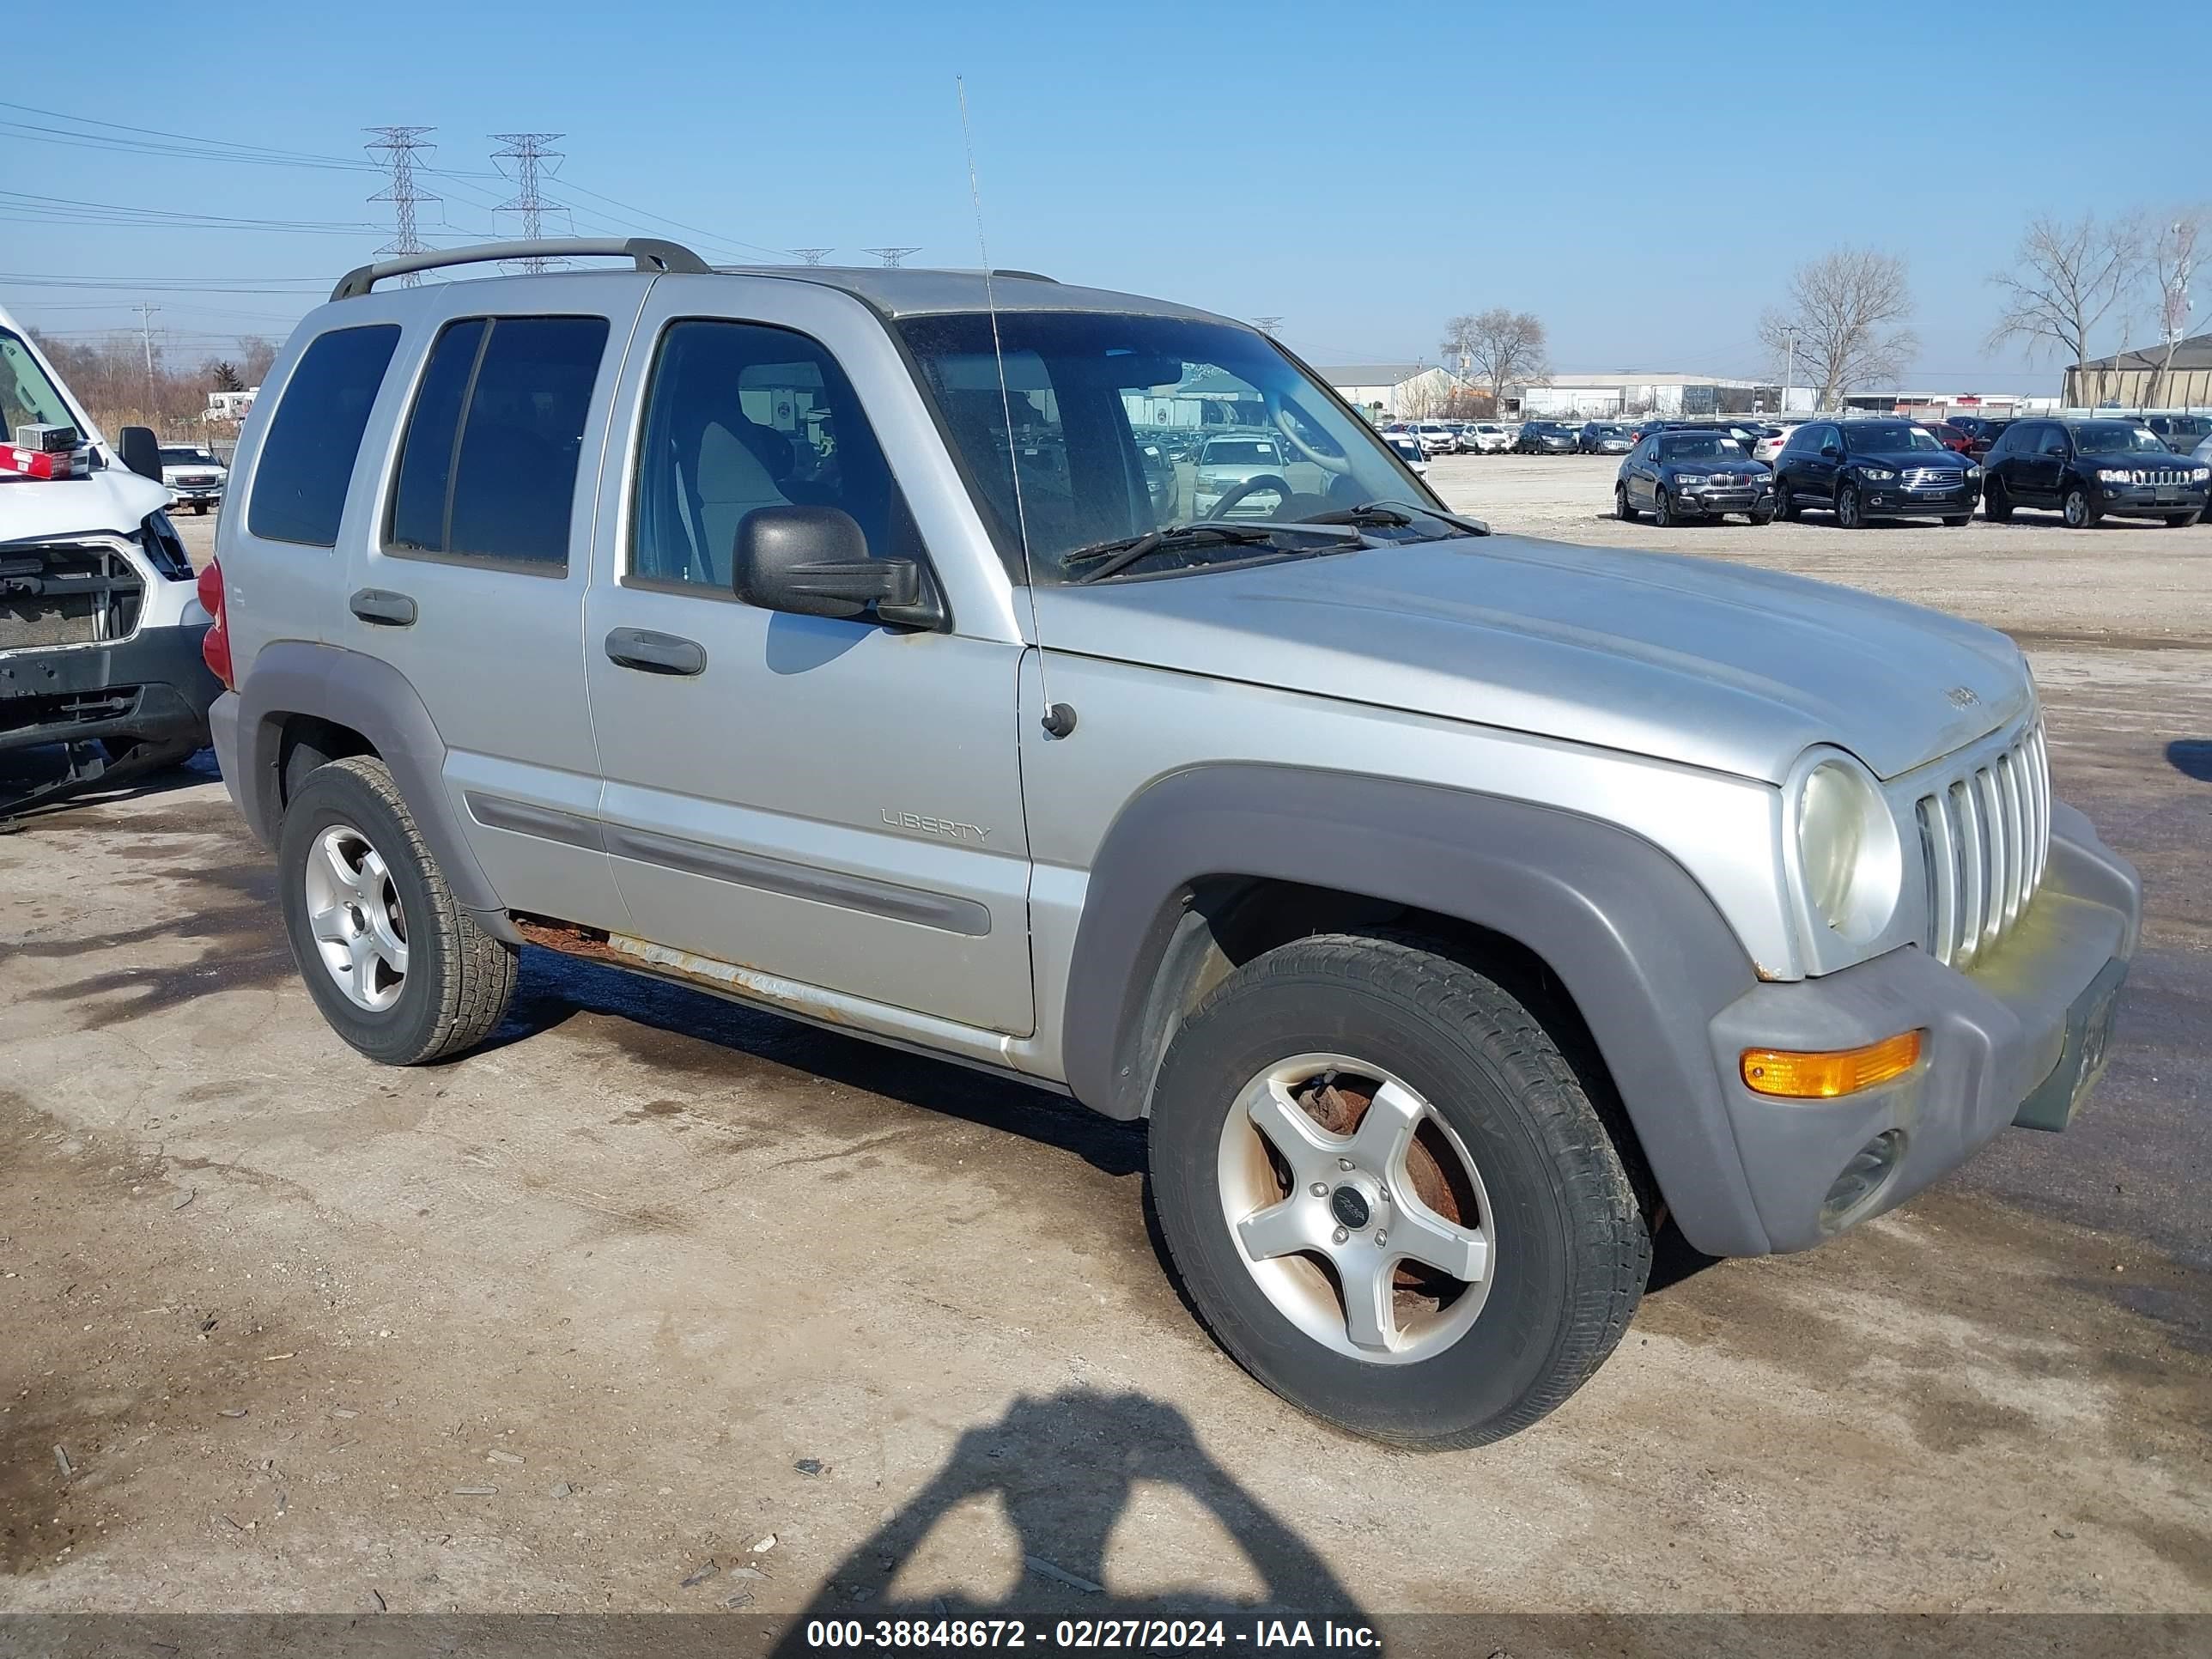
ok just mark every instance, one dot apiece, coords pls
pixel 2183 520
pixel 397 967
pixel 1662 510
pixel 2077 509
pixel 1847 508
pixel 1763 517
pixel 1956 520
pixel 1388 1196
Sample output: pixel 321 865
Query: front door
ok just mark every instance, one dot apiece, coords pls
pixel 2046 468
pixel 833 803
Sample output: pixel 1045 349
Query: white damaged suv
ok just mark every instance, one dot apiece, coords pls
pixel 1452 907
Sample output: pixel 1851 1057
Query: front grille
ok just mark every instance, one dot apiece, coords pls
pixel 2165 476
pixel 1984 836
pixel 1930 477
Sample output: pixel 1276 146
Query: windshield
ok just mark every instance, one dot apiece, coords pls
pixel 1700 446
pixel 173 457
pixel 1887 439
pixel 2118 438
pixel 28 396
pixel 1080 382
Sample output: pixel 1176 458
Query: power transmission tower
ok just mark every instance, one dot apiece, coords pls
pixel 812 256
pixel 1267 326
pixel 528 152
pixel 146 334
pixel 891 256
pixel 397 147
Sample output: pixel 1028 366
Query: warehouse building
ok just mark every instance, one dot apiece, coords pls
pixel 1401 391
pixel 2143 380
pixel 1629 392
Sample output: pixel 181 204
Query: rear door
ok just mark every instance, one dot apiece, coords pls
pixel 471 582
pixel 834 803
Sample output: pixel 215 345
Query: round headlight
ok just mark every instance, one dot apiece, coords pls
pixel 1847 848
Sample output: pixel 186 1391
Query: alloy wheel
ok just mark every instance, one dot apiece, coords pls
pixel 354 915
pixel 1356 1208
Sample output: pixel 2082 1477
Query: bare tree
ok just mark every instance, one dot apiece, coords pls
pixel 2065 280
pixel 1500 348
pixel 1844 321
pixel 2170 257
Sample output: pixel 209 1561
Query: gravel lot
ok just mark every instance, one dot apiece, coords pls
pixel 555 1327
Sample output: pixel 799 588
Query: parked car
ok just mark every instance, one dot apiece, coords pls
pixel 1643 429
pixel 1489 438
pixel 1770 444
pixel 1546 438
pixel 193 475
pixel 1240 471
pixel 1981 432
pixel 1674 476
pixel 1408 450
pixel 1602 438
pixel 1450 907
pixel 2089 469
pixel 1160 484
pixel 2202 455
pixel 1865 469
pixel 100 625
pixel 2180 433
pixel 1436 438
pixel 1952 436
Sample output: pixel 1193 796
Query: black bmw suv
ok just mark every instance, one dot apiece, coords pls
pixel 1676 475
pixel 1865 469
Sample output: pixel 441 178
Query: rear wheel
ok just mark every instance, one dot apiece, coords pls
pixel 1784 508
pixel 2079 511
pixel 1388 1195
pixel 397 967
pixel 1997 501
pixel 1847 507
pixel 1621 509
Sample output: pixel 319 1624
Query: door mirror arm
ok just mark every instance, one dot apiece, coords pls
pixel 814 561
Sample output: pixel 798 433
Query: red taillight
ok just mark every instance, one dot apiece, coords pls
pixel 215 645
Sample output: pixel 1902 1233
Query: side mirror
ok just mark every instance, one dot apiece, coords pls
pixel 142 452
pixel 1831 450
pixel 814 561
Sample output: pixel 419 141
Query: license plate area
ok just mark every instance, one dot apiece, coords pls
pixel 2081 1062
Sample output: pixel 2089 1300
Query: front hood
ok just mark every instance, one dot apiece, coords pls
pixel 53 509
pixel 1743 469
pixel 1709 664
pixel 1906 460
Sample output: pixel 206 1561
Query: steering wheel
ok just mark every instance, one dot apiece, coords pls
pixel 1251 486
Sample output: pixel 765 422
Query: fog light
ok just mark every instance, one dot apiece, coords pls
pixel 1795 1074
pixel 1862 1179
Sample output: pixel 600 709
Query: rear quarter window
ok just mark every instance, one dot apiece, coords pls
pixel 306 460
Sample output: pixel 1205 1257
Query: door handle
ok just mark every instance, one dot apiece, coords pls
pixel 655 653
pixel 383 608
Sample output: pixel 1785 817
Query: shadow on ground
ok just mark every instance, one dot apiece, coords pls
pixel 1064 1473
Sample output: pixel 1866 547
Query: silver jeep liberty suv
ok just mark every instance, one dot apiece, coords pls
pixel 1455 906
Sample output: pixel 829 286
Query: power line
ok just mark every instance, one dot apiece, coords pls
pixel 893 258
pixel 528 152
pixel 398 146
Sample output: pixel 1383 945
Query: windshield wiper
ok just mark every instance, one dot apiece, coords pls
pixel 1398 514
pixel 1120 554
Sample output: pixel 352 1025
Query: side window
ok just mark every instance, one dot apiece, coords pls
pixel 487 469
pixel 306 460
pixel 739 415
pixel 2054 440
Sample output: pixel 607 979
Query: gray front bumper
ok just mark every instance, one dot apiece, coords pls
pixel 1996 1038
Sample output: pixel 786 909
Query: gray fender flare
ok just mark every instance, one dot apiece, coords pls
pixel 1629 934
pixel 300 677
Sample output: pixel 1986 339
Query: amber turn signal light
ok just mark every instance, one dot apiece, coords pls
pixel 1823 1075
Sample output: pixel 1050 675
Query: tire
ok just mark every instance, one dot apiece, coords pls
pixel 1565 1246
pixel 140 757
pixel 200 507
pixel 1848 516
pixel 1621 509
pixel 451 983
pixel 1765 518
pixel 1996 502
pixel 1663 511
pixel 1958 520
pixel 2077 509
pixel 2183 520
pixel 1785 505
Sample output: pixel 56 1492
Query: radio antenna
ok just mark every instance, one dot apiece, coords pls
pixel 1005 394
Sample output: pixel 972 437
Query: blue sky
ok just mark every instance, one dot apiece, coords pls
pixel 1641 176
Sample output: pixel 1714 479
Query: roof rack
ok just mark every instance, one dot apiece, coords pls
pixel 648 252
